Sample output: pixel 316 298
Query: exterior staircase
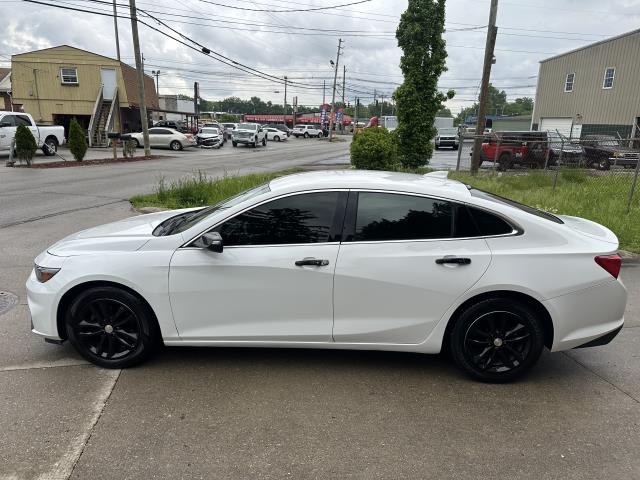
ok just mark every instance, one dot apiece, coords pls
pixel 99 138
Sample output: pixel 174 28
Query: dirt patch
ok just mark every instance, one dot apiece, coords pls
pixel 95 161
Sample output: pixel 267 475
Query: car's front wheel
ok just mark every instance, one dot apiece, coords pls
pixel 497 340
pixel 276 138
pixel 306 134
pixel 111 327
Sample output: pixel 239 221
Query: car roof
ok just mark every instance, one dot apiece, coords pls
pixel 435 183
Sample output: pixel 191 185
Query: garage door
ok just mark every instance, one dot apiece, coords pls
pixel 562 125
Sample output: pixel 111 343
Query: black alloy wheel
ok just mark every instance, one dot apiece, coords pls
pixel 497 340
pixel 111 327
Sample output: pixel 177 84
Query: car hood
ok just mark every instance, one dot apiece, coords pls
pixel 125 235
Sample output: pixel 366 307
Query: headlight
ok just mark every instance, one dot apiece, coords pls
pixel 44 274
pixel 618 155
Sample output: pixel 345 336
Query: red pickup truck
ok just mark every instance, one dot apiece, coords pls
pixel 515 148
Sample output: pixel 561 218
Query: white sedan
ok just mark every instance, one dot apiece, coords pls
pixel 275 135
pixel 165 137
pixel 346 259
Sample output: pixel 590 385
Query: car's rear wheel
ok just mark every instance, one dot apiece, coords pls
pixel 111 327
pixel 276 138
pixel 175 145
pixel 50 146
pixel 497 340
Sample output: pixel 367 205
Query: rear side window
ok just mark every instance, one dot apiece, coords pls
pixel 389 216
pixel 505 201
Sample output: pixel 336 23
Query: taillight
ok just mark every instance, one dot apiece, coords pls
pixel 611 263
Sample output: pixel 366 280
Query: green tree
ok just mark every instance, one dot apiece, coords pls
pixel 26 145
pixel 374 149
pixel 497 104
pixel 444 112
pixel 418 99
pixel 77 140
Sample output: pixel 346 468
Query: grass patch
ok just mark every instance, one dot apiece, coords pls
pixel 602 199
pixel 200 189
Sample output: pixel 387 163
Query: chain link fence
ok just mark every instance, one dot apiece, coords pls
pixel 608 160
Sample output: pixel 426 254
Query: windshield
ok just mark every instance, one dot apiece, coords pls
pixel 184 221
pixel 505 201
pixel 247 126
pixel 448 131
pixel 209 130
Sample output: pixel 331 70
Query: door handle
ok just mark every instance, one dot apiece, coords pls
pixel 455 260
pixel 315 262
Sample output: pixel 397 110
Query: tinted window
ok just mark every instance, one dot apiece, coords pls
pixel 23 120
pixel 159 131
pixel 488 223
pixel 385 216
pixel 505 201
pixel 303 218
pixel 9 119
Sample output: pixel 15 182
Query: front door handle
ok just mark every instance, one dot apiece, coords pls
pixel 314 262
pixel 455 260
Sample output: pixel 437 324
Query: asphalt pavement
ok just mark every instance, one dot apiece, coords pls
pixel 276 413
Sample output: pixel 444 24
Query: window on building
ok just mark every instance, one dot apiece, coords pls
pixel 609 74
pixel 69 76
pixel 568 84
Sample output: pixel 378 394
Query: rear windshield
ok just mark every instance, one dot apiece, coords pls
pixel 505 201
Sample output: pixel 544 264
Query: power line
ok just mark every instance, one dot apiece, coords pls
pixel 329 7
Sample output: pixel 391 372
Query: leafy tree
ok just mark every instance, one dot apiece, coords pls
pixel 77 140
pixel 26 145
pixel 444 112
pixel 497 104
pixel 418 99
pixel 227 118
pixel 374 149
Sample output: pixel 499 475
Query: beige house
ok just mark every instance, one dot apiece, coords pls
pixel 60 83
pixel 591 90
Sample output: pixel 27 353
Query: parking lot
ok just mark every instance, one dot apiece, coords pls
pixel 250 413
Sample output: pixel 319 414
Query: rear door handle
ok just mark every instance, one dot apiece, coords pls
pixel 455 260
pixel 310 261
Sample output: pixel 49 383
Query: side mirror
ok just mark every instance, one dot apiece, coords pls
pixel 212 241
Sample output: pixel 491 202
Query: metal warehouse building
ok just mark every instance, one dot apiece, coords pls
pixel 591 90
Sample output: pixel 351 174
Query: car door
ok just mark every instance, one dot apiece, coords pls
pixel 404 261
pixel 159 137
pixel 274 279
pixel 7 131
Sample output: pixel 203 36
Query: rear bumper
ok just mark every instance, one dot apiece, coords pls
pixel 587 317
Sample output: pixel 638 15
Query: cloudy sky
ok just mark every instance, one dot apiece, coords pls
pixel 300 44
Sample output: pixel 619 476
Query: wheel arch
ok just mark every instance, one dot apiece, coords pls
pixel 73 292
pixel 536 305
pixel 52 137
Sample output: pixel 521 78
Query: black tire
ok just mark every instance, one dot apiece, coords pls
pixel 277 138
pixel 175 146
pixel 504 162
pixel 111 327
pixel 306 134
pixel 137 143
pixel 604 164
pixel 437 147
pixel 50 146
pixel 264 142
pixel 496 340
pixel 235 144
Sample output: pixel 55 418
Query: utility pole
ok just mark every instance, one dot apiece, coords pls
pixel 333 97
pixel 381 103
pixel 115 25
pixel 196 106
pixel 492 33
pixel 285 100
pixel 140 72
pixel 324 86
pixel 157 74
pixel 344 76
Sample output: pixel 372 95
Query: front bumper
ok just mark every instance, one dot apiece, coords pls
pixel 245 140
pixel 623 161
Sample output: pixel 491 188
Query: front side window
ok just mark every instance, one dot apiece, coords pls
pixel 9 120
pixel 304 218
pixel 609 75
pixel 69 76
pixel 568 84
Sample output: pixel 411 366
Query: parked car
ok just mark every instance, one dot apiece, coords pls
pixel 210 137
pixel 249 134
pixel 604 151
pixel 228 129
pixel 307 131
pixel 280 126
pixel 346 259
pixel 167 138
pixel 273 134
pixel 447 137
pixel 48 138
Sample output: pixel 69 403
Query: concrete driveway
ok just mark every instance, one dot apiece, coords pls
pixel 250 413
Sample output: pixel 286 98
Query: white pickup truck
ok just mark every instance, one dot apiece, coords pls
pixel 48 137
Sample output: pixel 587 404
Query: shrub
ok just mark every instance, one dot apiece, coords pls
pixel 374 149
pixel 26 145
pixel 77 140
